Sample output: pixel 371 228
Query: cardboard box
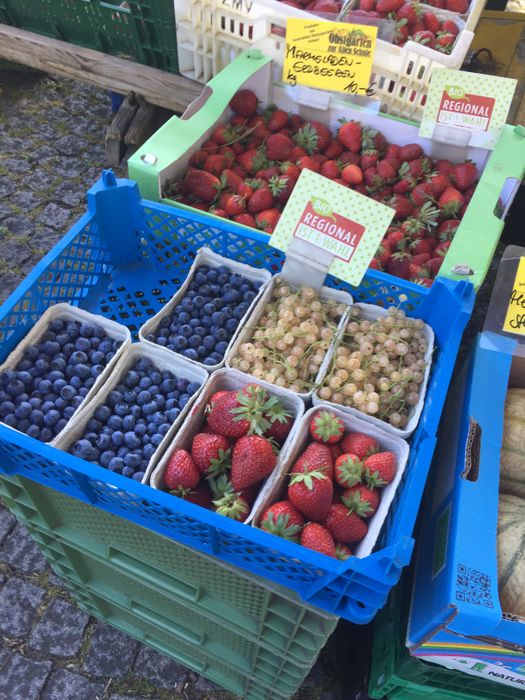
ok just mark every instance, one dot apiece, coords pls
pixel 456 619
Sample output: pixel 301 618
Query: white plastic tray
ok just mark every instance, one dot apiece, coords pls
pixel 71 313
pixel 302 438
pixel 246 331
pixel 228 379
pixel 370 312
pixel 205 256
pixel 163 360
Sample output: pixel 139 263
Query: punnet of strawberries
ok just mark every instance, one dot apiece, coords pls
pixel 248 168
pixel 234 451
pixel 334 489
pixel 415 22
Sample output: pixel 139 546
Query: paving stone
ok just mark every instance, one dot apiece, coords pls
pixel 118 696
pixel 42 152
pixel 69 193
pixel 65 685
pixel 41 180
pixel 5 653
pixel 68 167
pixel 5 209
pixel 23 679
pixel 54 580
pixel 22 552
pixel 6 187
pixel 26 199
pixel 111 652
pixel 158 669
pixel 19 225
pixel 19 601
pixel 54 216
pixel 13 144
pixel 7 523
pixel 45 239
pixel 60 630
pixel 203 685
pixel 18 165
pixel 67 145
pixel 55 115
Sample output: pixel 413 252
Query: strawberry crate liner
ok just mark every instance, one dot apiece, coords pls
pixel 244 335
pixel 71 313
pixel 370 312
pixel 229 379
pixel 163 360
pixel 205 256
pixel 302 438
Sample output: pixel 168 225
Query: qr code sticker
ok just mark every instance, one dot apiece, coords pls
pixel 473 586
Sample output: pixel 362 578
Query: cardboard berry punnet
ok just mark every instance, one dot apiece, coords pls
pixel 165 157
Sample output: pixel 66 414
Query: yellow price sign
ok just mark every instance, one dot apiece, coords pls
pixel 515 317
pixel 332 56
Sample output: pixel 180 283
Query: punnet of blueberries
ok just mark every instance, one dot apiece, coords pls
pixel 124 432
pixel 204 321
pixel 54 376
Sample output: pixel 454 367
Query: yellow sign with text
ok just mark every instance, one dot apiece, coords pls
pixel 515 318
pixel 332 56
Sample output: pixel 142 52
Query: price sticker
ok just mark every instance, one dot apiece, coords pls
pixel 468 102
pixel 515 316
pixel 329 55
pixel 339 225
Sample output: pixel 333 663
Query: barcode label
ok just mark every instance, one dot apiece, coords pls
pixel 473 586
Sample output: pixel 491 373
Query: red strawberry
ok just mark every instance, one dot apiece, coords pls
pixel 460 6
pixel 261 199
pixel 245 219
pixel 253 459
pixel 402 32
pixel 279 147
pixel 201 496
pixel 368 159
pixel 282 519
pixel 360 444
pixel 278 120
pixel 410 151
pixel 230 180
pixel 251 160
pixel 386 170
pixel 439 184
pixel 431 22
pixel 367 5
pixel 197 159
pixel 348 470
pixel 380 469
pixel 409 11
pixel 433 265
pixel 244 103
pixel 450 202
pixel 384 252
pixel 387 6
pixel 333 150
pixel 444 41
pixel 464 175
pixel 316 537
pixel 227 501
pixel 237 413
pixel 393 152
pixel 342 552
pixel 211 453
pixel 326 427
pixel 316 457
pixel 201 184
pixel 234 205
pixel 326 7
pixel 447 229
pixel 403 206
pixel 295 122
pixel 311 493
pixel 344 526
pixel 335 449
pixel 444 167
pixel 181 471
pixel 267 219
pixel 350 134
pixel 308 163
pixel 450 27
pixel 330 169
pixel 371 178
pixel 352 174
pixel 394 239
pixel 361 500
pixel 420 246
pixel 279 429
pixel 422 193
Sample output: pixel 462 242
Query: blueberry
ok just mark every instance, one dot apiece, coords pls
pixel 116 464
pixel 25 377
pixel 208 342
pixel 115 422
pixel 76 401
pixel 148 451
pixel 133 460
pixel 91 436
pixel 58 385
pixel 48 406
pixel 182 384
pixel 221 347
pixel 51 347
pixel 194 323
pixel 34 431
pixel 31 352
pixel 168 385
pixel 102 413
pixel 187 305
pixel 194 341
pixel 69 372
pixel 11 420
pixel 143 364
pixel 103 441
pixel 62 338
pixel 206 322
pixel 79 357
pixel 117 344
pixel 145 382
pixel 183 317
pixel 156 439
pixel 135 411
pixel 172 402
pixel 25 365
pixel 190 353
pixel 46 434
pixel 83 449
pixel 60 404
pixel 193 387
pixel 173 414
pixel 68 349
pixel 56 325
pixel 201 352
pixel 117 438
pixel 99 332
pixel 180 343
pixel 128 471
pixel 106 457
pixel 97 357
pixel 42 365
pixel 87 330
pixel 209 361
pixel 149 407
pixel 121 409
pixel 7 407
pixel 162 341
pixel 35 401
pixel 249 296
pixel 105 346
pixel 68 412
pixel 67 392
pixel 186 330
pixel 123 451
pixel 230 326
pixel 51 417
pixel 143 398
pixel 82 371
pixel 200 276
pixel 83 392
pixel 60 425
pixel 209 308
pixel 131 440
pixel 140 429
pixel 94 425
pixel 163 428
pixel 96 371
pixel 222 279
pixel 131 379
pixel 15 387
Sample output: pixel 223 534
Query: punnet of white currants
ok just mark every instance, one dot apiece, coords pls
pixel 289 343
pixel 379 366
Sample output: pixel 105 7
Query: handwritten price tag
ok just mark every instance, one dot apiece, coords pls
pixel 329 55
pixel 515 317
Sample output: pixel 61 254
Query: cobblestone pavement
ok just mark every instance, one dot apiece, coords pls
pixel 51 133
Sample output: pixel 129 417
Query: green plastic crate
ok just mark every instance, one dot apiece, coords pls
pixel 397 674
pixel 139 30
pixel 262 612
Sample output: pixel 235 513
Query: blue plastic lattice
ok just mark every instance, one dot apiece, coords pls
pixel 124 259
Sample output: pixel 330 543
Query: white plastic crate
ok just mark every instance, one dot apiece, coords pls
pixel 211 33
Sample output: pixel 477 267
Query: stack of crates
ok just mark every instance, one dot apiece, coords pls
pixel 399 676
pixel 250 636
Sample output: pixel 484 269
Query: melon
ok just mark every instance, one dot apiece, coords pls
pixel 511 554
pixel 512 471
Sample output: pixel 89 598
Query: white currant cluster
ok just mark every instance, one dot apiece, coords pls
pixel 379 366
pixel 289 343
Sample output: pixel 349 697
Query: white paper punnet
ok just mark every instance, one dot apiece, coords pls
pixel 302 439
pixel 71 313
pixel 245 333
pixel 228 380
pixel 205 256
pixel 162 359
pixel 371 312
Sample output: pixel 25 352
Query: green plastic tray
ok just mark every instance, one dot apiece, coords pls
pixel 260 611
pixel 139 30
pixel 397 674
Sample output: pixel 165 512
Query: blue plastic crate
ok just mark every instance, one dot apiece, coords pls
pixel 124 259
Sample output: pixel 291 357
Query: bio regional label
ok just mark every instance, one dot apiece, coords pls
pixel 465 110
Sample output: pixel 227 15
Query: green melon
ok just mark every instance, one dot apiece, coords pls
pixel 511 554
pixel 512 472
